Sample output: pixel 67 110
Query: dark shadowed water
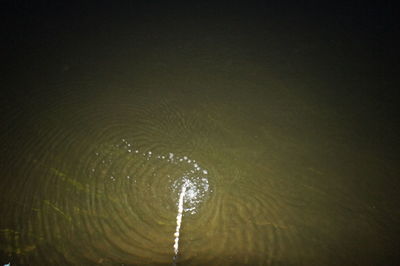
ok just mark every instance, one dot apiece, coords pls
pixel 279 123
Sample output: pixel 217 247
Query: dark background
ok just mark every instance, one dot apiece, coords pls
pixel 301 40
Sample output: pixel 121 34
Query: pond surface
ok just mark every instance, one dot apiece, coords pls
pixel 249 137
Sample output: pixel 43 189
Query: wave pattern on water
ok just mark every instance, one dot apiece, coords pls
pixel 101 183
pixel 103 190
pixel 149 184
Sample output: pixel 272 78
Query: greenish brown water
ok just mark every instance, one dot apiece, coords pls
pixel 100 133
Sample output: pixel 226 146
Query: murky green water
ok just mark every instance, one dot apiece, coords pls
pixel 100 133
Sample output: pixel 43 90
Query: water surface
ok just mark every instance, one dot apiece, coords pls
pixel 104 123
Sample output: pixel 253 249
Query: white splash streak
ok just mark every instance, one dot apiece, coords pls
pixel 179 219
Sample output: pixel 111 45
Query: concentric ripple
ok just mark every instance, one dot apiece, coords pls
pixel 155 175
pixel 149 180
pixel 150 185
pixel 143 183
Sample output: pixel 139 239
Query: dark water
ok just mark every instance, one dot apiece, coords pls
pixel 280 122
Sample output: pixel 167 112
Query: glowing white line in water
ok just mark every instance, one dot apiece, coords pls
pixel 179 219
pixel 195 183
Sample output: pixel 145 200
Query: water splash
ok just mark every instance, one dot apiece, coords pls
pixel 177 177
pixel 179 220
